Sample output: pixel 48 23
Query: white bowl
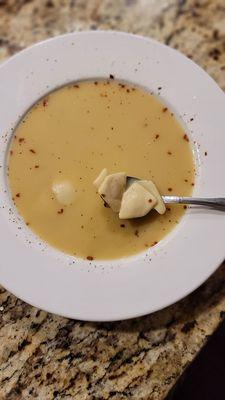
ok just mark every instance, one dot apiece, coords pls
pixel 130 287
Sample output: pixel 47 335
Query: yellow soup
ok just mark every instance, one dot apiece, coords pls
pixel 70 136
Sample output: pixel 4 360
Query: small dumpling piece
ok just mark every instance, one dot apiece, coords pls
pixel 112 189
pixel 149 185
pixel 98 181
pixel 136 202
pixel 64 192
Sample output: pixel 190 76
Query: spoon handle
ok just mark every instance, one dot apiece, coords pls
pixel 201 201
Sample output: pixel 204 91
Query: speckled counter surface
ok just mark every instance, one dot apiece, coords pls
pixel 49 357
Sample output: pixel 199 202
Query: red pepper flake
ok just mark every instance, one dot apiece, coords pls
pixel 122 226
pixel 96 83
pixel 185 137
pixel 33 151
pixel 76 86
pixel 169 153
pixel 90 258
pixel 11 152
pixel 136 233
pixel 21 140
pixel 60 211
pixel 157 136
pixel 36 166
pixel 170 189
pixel 17 194
pixel 165 109
pixel 111 76
pixel 206 153
pixel 185 207
pixel 45 102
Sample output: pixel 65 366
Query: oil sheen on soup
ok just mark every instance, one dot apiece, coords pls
pixel 70 136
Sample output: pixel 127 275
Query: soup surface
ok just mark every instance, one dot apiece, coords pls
pixel 75 132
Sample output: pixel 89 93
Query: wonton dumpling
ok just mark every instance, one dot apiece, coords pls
pixel 112 189
pixel 64 192
pixel 98 181
pixel 149 185
pixel 136 202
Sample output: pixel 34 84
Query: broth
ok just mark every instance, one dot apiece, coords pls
pixel 71 135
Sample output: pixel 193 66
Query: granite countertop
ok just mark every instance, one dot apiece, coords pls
pixel 44 356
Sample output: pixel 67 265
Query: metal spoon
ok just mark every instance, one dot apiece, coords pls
pixel 214 202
